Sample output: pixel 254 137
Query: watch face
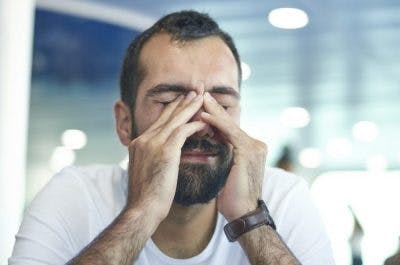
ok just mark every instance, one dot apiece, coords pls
pixel 238 226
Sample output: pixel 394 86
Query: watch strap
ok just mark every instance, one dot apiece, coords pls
pixel 256 218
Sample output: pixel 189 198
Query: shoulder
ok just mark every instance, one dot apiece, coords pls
pixel 280 181
pixel 101 185
pixel 105 185
pixel 100 176
pixel 282 190
pixel 67 213
pixel 94 173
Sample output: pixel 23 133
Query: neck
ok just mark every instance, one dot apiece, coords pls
pixel 187 230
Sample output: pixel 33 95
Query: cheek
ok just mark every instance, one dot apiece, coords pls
pixel 235 114
pixel 145 116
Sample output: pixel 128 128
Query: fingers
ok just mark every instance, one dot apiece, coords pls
pixel 217 116
pixel 168 113
pixel 181 133
pixel 213 107
pixel 165 115
pixel 182 114
pixel 175 107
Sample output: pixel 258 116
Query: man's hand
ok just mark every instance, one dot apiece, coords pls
pixel 244 183
pixel 154 157
pixel 244 186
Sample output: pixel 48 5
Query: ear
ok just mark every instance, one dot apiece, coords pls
pixel 123 122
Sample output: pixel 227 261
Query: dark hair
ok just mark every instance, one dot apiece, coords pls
pixel 182 26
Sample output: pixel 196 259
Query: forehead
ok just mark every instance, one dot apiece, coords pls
pixel 204 62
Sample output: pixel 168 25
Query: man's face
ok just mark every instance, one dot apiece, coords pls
pixel 173 69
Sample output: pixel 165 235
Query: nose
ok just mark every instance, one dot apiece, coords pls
pixel 207 131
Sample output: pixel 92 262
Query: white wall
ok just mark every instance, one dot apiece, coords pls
pixel 16 27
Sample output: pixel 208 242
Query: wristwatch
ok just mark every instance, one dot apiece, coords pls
pixel 249 221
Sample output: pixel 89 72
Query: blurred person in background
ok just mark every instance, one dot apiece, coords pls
pixel 286 161
pixel 356 240
pixel 395 258
pixel 196 190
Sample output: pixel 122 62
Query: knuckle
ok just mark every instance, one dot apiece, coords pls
pixel 158 129
pixel 260 146
pixel 178 130
pixel 155 143
pixel 263 145
pixel 166 150
pixel 151 145
pixel 132 144
pixel 176 135
pixel 140 143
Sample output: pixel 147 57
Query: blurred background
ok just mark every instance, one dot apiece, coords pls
pixel 321 87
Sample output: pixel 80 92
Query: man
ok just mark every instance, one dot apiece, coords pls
pixel 192 171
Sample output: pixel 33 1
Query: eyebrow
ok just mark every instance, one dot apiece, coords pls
pixel 182 89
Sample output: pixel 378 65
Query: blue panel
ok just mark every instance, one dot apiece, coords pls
pixel 68 48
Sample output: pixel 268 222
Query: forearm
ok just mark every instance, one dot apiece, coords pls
pixel 121 242
pixel 264 246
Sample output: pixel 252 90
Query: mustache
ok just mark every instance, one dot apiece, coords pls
pixel 205 146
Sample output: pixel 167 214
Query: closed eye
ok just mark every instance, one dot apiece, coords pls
pixel 225 101
pixel 165 103
pixel 166 100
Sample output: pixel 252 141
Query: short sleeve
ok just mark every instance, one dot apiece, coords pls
pixel 302 228
pixel 56 225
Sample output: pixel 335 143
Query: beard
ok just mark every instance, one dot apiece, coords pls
pixel 201 182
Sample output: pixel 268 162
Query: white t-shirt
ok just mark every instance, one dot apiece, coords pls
pixel 78 203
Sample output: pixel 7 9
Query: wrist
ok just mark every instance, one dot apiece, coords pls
pixel 240 210
pixel 147 213
pixel 151 206
pixel 256 235
pixel 264 246
pixel 249 221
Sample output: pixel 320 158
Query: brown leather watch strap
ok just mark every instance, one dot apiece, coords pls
pixel 248 222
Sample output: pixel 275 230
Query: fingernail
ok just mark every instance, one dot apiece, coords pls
pixel 208 96
pixel 205 114
pixel 190 95
pixel 211 133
